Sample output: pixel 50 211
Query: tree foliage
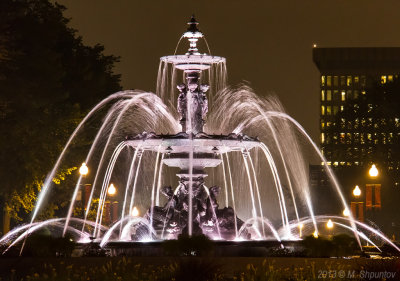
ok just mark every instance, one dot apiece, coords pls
pixel 48 80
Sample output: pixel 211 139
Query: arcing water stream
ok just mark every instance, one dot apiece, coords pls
pixel 145 138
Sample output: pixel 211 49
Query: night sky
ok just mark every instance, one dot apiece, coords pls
pixel 268 44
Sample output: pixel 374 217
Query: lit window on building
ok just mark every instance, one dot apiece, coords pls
pixel 362 138
pixel 390 78
pixel 369 136
pixel 363 81
pixel 342 123
pixel 322 125
pixel 356 137
pixel 328 110
pixel 342 81
pixel 349 95
pixel 335 109
pixel 363 92
pixel 322 110
pixel 322 95
pixel 342 163
pixel 343 98
pixel 335 163
pixel 335 81
pixel 356 80
pixel 383 79
pixel 322 80
pixel 370 107
pixel 329 95
pixel 336 95
pixel 329 81
pixel 328 124
pixel 342 137
pixel 348 138
pixel 348 81
pixel 322 138
pixel 342 108
pixel 376 140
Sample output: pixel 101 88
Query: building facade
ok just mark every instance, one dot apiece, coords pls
pixel 355 131
pixel 347 73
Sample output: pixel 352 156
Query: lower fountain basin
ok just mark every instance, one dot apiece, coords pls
pixel 199 143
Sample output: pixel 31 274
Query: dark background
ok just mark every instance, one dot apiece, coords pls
pixel 267 43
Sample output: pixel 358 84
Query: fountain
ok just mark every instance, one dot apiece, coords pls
pixel 262 181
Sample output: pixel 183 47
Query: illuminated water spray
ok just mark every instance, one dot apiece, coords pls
pixel 202 136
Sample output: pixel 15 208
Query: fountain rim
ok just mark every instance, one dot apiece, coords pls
pixel 193 62
pixel 201 142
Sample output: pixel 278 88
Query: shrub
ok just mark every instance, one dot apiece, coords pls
pixel 198 245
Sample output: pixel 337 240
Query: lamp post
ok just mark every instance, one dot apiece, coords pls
pixel 373 193
pixel 113 213
pixel 83 171
pixel 329 226
pixel 357 206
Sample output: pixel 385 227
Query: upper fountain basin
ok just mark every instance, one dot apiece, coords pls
pixel 193 62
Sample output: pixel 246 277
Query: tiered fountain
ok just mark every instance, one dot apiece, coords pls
pixel 192 207
pixel 267 176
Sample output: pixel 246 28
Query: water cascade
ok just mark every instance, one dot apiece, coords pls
pixel 144 139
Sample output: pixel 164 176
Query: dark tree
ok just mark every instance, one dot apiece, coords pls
pixel 48 80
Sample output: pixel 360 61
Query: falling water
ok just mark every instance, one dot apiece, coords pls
pixel 234 115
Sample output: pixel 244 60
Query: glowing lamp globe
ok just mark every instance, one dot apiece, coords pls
pixel 83 170
pixel 329 224
pixel 373 171
pixel 357 191
pixel 112 190
pixel 315 234
pixel 346 212
pixel 135 212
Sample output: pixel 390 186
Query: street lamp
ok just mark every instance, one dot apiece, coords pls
pixel 112 190
pixel 329 224
pixel 135 212
pixel 315 234
pixel 373 171
pixel 357 191
pixel 83 170
pixel 346 212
